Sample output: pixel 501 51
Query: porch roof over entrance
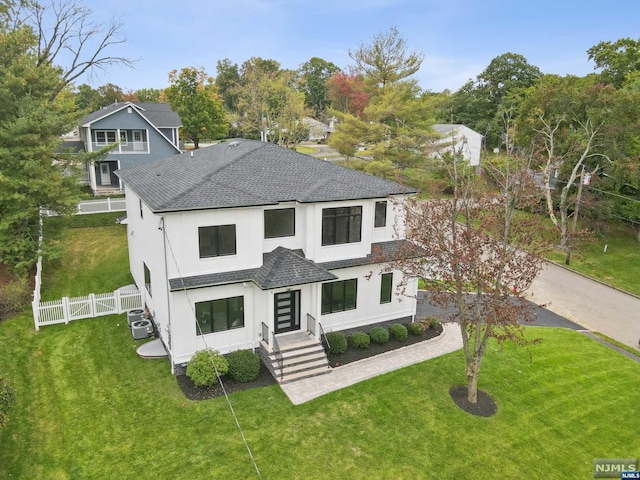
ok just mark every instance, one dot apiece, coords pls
pixel 280 268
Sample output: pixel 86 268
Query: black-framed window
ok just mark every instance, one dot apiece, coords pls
pixel 280 223
pixel 341 225
pixel 140 204
pixel 217 241
pixel 381 214
pixel 339 296
pixel 220 315
pixel 147 278
pixel 386 284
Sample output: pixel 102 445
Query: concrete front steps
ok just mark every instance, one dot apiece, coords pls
pixel 301 356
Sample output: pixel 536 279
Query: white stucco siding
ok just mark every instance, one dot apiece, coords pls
pixel 186 341
pixel 394 228
pixel 368 309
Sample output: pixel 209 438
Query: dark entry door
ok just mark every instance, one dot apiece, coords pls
pixel 287 311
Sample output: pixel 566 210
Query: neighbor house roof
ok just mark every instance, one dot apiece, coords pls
pixel 445 128
pixel 243 173
pixel 159 115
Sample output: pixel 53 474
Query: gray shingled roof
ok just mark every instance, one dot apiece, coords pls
pixel 158 114
pixel 248 173
pixel 280 268
pixel 287 268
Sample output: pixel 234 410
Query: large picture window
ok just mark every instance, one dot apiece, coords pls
pixel 220 315
pixel 381 215
pixel 217 241
pixel 386 283
pixel 339 296
pixel 341 225
pixel 280 223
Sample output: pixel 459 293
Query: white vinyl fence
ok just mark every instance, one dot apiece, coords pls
pixel 101 205
pixel 89 306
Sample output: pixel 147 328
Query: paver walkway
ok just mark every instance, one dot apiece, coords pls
pixel 304 390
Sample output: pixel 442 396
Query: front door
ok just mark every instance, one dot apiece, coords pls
pixel 105 174
pixel 287 311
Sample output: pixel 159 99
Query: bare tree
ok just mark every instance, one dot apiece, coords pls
pixel 69 37
pixel 477 254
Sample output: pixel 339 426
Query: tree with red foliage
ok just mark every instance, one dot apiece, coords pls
pixel 347 93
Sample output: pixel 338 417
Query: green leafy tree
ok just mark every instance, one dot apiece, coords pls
pixel 478 102
pixel 386 59
pixel 152 95
pixel 193 95
pixel 616 59
pixel 269 106
pixel 228 82
pixel 314 76
pixel 34 113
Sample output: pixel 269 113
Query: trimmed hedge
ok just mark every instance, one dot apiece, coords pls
pixel 379 335
pixel 337 342
pixel 398 331
pixel 360 340
pixel 200 368
pixel 244 365
pixel 432 321
pixel 416 328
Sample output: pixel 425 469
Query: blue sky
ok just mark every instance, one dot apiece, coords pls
pixel 458 37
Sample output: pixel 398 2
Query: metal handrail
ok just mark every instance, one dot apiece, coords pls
pixel 278 355
pixel 311 324
pixel 265 333
pixel 323 336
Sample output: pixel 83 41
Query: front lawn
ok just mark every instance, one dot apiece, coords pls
pixel 89 408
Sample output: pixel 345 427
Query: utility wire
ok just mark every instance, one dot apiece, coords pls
pixel 224 390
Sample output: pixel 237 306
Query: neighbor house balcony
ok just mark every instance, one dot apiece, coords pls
pixel 129 147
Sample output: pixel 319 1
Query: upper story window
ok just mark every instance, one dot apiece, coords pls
pixel 124 138
pixel 105 137
pixel 381 214
pixel 341 225
pixel 217 241
pixel 280 223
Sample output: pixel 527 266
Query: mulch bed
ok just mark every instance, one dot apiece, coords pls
pixel 485 407
pixel 354 354
pixel 203 393
pixel 265 378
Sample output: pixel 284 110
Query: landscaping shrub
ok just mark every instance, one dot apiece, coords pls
pixel 244 365
pixel 416 328
pixel 337 342
pixel 200 368
pixel 432 321
pixel 360 340
pixel 14 296
pixel 379 335
pixel 398 331
pixel 7 399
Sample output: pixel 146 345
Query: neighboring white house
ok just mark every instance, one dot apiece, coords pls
pixel 242 242
pixel 459 139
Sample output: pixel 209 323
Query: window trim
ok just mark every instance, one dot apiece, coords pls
pixel 293 223
pixel 338 286
pixel 383 222
pixel 385 296
pixel 106 137
pixel 217 230
pixel 211 320
pixel 332 215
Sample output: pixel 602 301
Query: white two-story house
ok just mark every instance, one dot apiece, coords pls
pixel 242 242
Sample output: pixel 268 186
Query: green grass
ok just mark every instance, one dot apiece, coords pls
pixel 88 407
pixel 618 266
pixel 306 149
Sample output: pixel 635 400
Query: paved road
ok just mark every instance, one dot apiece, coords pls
pixel 589 303
pixel 574 301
